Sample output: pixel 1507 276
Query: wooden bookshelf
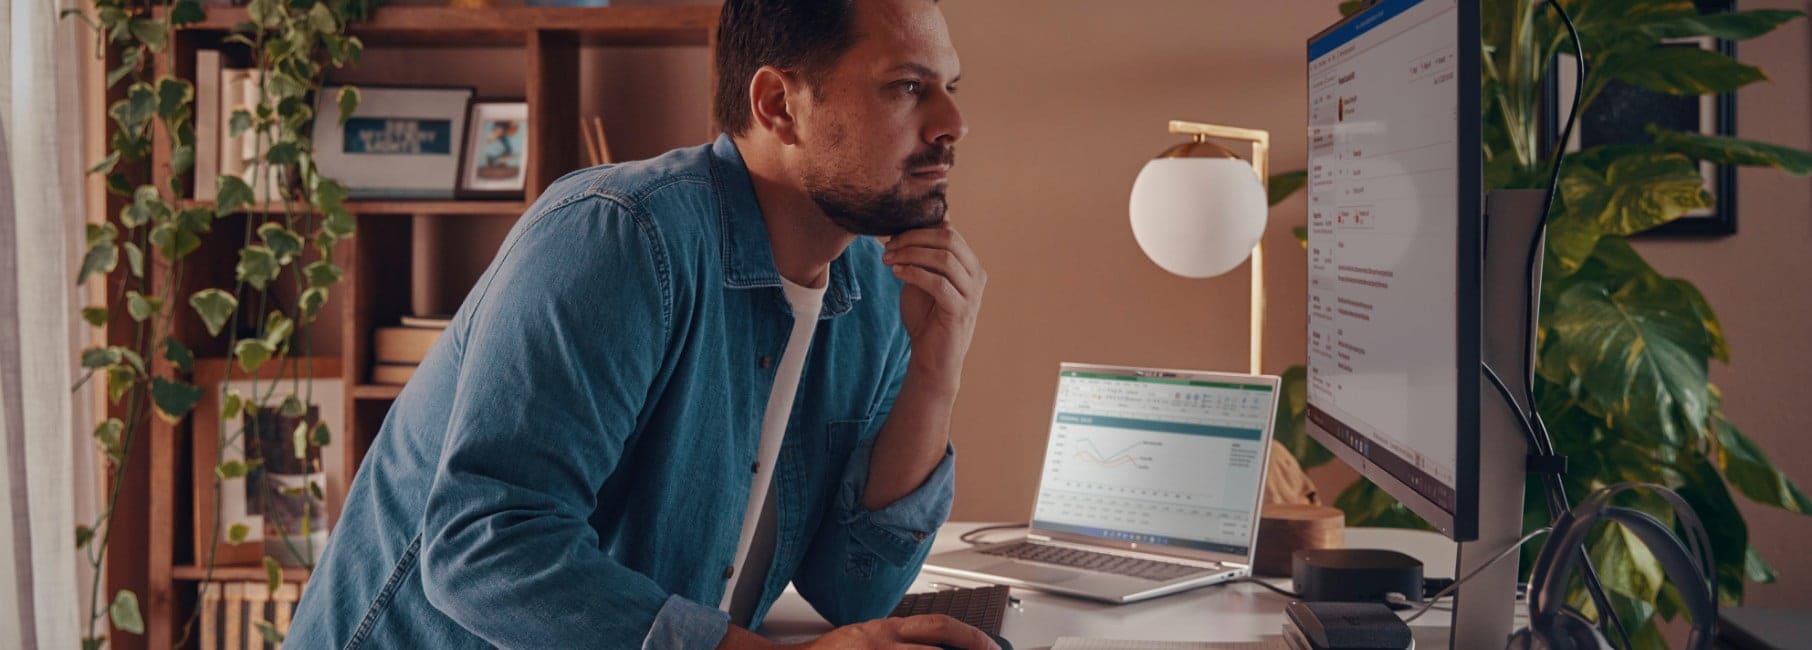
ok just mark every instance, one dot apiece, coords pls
pixel 153 544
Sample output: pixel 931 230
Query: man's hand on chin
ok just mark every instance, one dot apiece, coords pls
pixel 939 304
pixel 890 633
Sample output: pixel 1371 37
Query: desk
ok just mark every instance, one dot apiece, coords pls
pixel 1230 612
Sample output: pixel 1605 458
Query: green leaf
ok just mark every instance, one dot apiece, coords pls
pixel 265 629
pixel 329 195
pixel 257 266
pixel 1714 330
pixel 214 306
pixel 349 102
pixel 96 316
pixel 1625 564
pixel 283 242
pixel 230 194
pixel 185 12
pixel 129 62
pixel 173 96
pixel 265 12
pixel 83 535
pixel 283 153
pixel 107 434
pixel 239 123
pixel 174 241
pixel 93 642
pixel 119 380
pixel 237 533
pixel 132 358
pixel 151 32
pixel 277 328
pixel 125 613
pixel 273 574
pixel 102 258
pixel 1730 26
pixel 135 259
pixel 174 399
pixel 230 470
pixel 322 274
pixel 1350 7
pixel 290 406
pixel 252 353
pixel 1285 184
pixel 182 159
pixel 97 358
pixel 1622 192
pixel 1301 233
pixel 1681 71
pixel 323 19
pixel 312 300
pixel 178 354
pixel 107 164
pixel 1755 569
pixel 1734 151
pixel 234 401
pixel 321 438
pixel 1637 350
pixel 141 307
pixel 1749 471
pixel 1704 490
pixel 339 223
pixel 146 205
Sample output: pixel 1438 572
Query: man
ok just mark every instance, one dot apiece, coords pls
pixel 686 382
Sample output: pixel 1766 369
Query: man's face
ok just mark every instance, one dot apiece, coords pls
pixel 879 139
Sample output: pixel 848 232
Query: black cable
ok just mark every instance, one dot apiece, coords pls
pixel 1267 585
pixel 970 537
pixel 1537 428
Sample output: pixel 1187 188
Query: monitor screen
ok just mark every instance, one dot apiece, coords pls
pixel 1156 457
pixel 1393 237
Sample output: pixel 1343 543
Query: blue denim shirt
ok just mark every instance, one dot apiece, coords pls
pixel 570 464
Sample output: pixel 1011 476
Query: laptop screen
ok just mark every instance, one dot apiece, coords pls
pixel 1165 458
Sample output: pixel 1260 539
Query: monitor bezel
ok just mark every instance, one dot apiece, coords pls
pixel 1462 523
pixel 1273 382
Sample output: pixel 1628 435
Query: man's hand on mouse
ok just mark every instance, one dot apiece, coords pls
pixel 942 297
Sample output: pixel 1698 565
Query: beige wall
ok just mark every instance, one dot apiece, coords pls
pixel 1067 98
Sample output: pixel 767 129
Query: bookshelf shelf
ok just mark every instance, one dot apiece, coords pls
pixel 192 573
pixel 378 263
pixel 377 208
pixel 376 392
pixel 681 25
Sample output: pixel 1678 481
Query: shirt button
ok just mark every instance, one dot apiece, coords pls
pixel 729 571
pixel 765 362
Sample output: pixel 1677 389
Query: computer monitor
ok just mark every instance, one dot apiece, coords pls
pixel 1394 252
pixel 1401 277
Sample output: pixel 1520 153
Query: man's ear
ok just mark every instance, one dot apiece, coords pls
pixel 770 96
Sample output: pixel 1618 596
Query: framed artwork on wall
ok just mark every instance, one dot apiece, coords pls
pixel 400 143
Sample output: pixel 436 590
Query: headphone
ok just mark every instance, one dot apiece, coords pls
pixel 1690 567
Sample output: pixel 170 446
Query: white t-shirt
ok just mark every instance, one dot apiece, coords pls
pixel 755 549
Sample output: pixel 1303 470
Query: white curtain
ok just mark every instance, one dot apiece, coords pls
pixel 41 212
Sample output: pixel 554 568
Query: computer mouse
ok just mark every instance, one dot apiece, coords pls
pixel 998 640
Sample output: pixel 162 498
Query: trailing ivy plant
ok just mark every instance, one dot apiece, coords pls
pixel 288 242
pixel 1623 352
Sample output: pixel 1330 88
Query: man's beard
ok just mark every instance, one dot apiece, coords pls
pixel 885 213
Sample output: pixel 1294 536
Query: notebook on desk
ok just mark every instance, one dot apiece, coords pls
pixel 1151 485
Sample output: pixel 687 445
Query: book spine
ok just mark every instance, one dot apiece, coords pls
pixel 232 98
pixel 207 123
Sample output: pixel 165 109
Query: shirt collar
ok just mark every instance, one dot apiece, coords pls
pixel 747 256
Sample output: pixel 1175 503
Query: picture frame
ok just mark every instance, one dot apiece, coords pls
pixel 1622 112
pixel 495 161
pixel 402 142
pixel 237 498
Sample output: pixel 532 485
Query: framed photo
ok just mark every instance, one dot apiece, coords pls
pixel 1622 112
pixel 401 143
pixel 281 490
pixel 496 156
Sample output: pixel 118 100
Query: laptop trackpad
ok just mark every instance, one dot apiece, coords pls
pixel 1031 573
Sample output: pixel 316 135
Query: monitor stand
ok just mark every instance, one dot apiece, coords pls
pixel 1484 606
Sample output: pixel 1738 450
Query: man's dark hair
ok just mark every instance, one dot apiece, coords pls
pixel 801 36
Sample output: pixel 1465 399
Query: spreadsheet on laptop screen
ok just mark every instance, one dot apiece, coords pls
pixel 1155 460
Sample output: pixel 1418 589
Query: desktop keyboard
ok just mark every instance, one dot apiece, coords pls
pixel 981 607
pixel 1092 561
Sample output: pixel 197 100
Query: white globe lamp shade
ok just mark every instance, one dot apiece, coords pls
pixel 1198 217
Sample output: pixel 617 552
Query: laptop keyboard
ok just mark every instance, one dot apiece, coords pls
pixel 1092 561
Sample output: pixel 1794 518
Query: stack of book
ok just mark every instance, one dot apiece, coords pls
pixel 220 92
pixel 400 349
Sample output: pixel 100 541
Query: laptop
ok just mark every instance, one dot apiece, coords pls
pixel 1151 485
